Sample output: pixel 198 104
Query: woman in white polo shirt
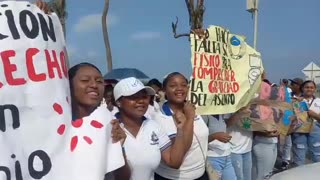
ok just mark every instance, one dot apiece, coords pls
pixel 146 143
pixel 193 167
pixel 308 141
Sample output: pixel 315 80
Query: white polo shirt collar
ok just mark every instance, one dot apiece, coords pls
pixel 144 151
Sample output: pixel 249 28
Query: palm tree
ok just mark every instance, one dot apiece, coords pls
pixel 60 8
pixel 105 34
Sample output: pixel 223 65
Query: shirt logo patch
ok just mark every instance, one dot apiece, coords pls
pixel 154 138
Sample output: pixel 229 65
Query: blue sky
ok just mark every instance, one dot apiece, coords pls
pixel 141 36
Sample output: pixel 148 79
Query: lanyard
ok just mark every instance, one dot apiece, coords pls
pixel 310 104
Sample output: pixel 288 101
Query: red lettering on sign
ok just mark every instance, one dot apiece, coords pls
pixel 223 87
pixel 10 68
pixel 63 64
pixel 10 61
pixel 30 66
pixel 53 64
pixel 232 76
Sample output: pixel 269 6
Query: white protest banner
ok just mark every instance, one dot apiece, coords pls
pixel 37 138
pixel 88 151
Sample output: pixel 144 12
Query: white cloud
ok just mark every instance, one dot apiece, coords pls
pixel 145 35
pixel 93 21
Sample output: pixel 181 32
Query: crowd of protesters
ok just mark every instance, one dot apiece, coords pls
pixel 163 137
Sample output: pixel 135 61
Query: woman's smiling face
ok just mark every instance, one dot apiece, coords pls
pixel 176 89
pixel 135 105
pixel 88 87
pixel 309 89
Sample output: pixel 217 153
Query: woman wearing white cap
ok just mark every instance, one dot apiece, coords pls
pixel 147 143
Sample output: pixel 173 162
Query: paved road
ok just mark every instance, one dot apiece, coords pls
pixel 306 172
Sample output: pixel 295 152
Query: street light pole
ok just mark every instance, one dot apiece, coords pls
pixel 312 72
pixel 256 2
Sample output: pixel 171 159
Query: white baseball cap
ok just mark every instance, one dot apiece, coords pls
pixel 130 86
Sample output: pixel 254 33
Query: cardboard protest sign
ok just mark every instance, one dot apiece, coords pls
pixel 275 110
pixel 301 123
pixel 38 140
pixel 267 112
pixel 226 71
pixel 265 115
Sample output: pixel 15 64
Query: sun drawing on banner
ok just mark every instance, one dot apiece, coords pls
pixel 75 124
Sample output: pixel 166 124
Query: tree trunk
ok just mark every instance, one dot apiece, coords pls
pixel 195 11
pixel 63 24
pixel 106 36
pixel 59 7
pixel 65 38
pixel 62 4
